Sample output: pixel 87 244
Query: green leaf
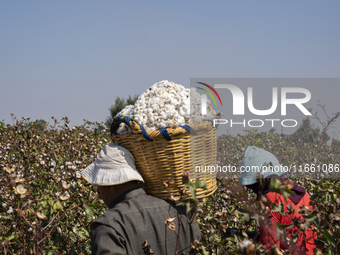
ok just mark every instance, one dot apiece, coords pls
pixel 278 208
pixel 204 251
pixel 83 233
pixel 316 251
pixel 275 186
pixel 260 249
pixel 286 193
pixel 192 188
pixel 283 226
pixel 324 240
pixel 328 236
pixel 245 213
pixel 57 206
pixel 11 237
pixel 201 185
pixel 295 239
pixel 311 218
pixel 281 229
pixel 89 212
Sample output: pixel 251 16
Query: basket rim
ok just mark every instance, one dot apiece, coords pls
pixel 165 132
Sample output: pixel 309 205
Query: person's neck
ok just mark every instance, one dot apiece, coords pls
pixel 121 192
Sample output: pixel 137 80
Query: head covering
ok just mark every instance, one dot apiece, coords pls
pixel 252 161
pixel 114 165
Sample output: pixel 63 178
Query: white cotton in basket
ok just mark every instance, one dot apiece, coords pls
pixel 166 105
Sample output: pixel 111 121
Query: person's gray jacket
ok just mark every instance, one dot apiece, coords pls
pixel 136 217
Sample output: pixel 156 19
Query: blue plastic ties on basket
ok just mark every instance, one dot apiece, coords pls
pixel 127 120
pixel 145 134
pixel 189 129
pixel 165 133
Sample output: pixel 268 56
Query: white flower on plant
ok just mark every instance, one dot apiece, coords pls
pixel 10 210
pixel 74 229
pixel 74 184
pixel 235 219
pixel 78 175
pixel 30 230
pixel 246 247
pixel 52 170
pixel 61 167
pixel 59 230
pixel 57 194
pixel 4 205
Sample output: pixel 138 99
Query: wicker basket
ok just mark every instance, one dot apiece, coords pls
pixel 160 159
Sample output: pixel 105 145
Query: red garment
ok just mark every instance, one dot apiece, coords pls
pixel 268 234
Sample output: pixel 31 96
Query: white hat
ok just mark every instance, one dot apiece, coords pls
pixel 114 165
pixel 256 157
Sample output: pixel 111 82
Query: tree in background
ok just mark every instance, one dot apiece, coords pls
pixel 309 133
pixel 119 105
pixel 41 124
pixel 336 143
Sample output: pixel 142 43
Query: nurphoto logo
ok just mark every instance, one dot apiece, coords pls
pixel 238 106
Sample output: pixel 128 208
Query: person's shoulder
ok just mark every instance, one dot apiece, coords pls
pixel 107 218
pixel 132 206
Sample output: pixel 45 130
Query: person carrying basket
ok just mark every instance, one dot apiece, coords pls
pixel 135 223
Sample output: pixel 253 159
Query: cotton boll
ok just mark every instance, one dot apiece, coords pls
pixel 174 102
pixel 143 117
pixel 178 88
pixel 185 102
pixel 163 115
pixel 162 125
pixel 166 104
pixel 161 103
pixel 181 111
pixel 151 119
pixel 167 98
pixel 126 111
pixel 172 91
pixel 169 108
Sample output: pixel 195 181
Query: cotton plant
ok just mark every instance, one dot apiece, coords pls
pixel 166 105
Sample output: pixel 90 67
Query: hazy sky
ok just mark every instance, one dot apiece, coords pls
pixel 73 58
